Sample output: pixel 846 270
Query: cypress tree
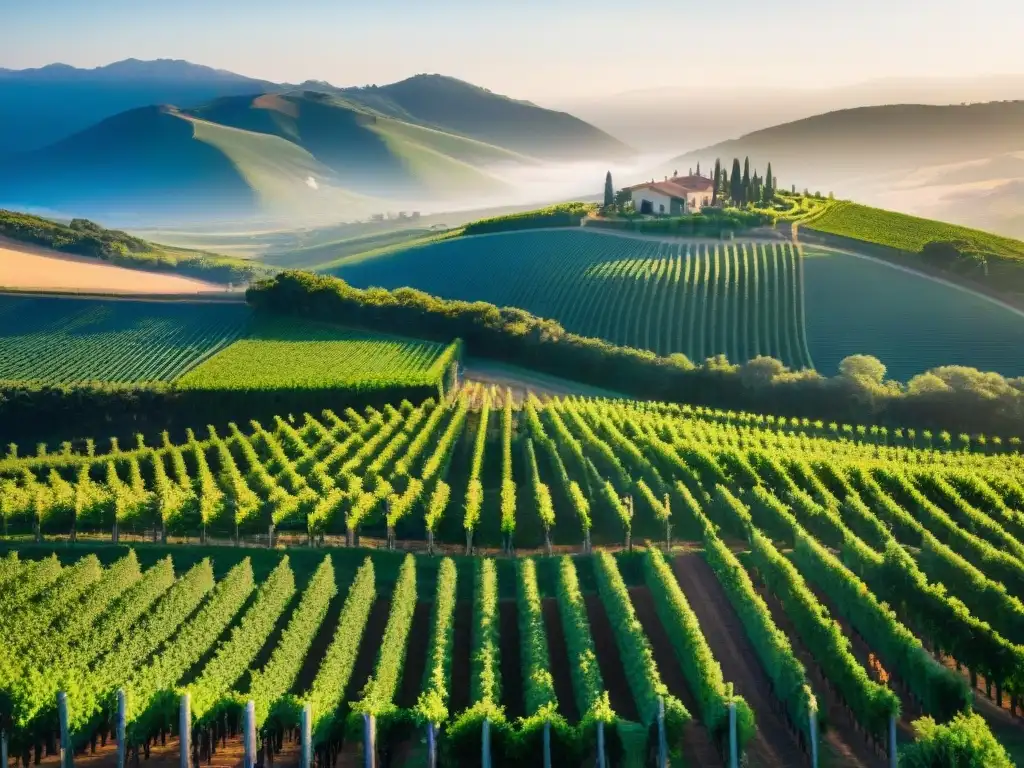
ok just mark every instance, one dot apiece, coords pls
pixel 745 184
pixel 609 191
pixel 736 183
pixel 718 181
pixel 698 169
pixel 769 185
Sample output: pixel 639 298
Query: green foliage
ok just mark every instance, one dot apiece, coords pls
pixel 378 697
pixel 248 636
pixel 910 233
pixel 432 705
pixel 561 215
pixel 587 684
pixel 283 354
pixel 965 742
pixel 278 675
pixel 331 680
pixel 65 340
pixel 146 708
pixel 635 651
pixel 703 673
pixel 969 400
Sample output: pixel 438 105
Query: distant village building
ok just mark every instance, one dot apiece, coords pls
pixel 672 197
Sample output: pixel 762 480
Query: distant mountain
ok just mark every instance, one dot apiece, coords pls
pixel 41 106
pixel 273 150
pixel 459 107
pixel 676 119
pixel 301 153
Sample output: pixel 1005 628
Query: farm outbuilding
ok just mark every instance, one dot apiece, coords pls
pixel 673 197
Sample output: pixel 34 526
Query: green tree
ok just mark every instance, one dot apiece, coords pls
pixel 745 183
pixel 769 185
pixel 736 182
pixel 609 190
pixel 698 169
pixel 718 181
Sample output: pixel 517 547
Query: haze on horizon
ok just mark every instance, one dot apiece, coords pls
pixel 551 52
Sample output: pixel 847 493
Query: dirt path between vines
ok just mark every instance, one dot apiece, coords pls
pixel 558 655
pixel 698 745
pixel 842 737
pixel 461 652
pixel 775 744
pixel 609 661
pixel 511 659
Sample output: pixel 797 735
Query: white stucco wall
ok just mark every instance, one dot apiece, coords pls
pixel 657 199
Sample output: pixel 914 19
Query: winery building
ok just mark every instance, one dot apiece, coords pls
pixel 672 197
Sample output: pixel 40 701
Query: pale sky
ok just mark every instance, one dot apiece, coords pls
pixel 543 50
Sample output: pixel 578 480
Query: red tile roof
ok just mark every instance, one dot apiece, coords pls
pixel 679 187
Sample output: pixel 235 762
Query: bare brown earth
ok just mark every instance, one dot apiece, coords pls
pixel 842 740
pixel 462 648
pixel 511 659
pixel 558 654
pixel 774 745
pixel 29 267
pixel 608 659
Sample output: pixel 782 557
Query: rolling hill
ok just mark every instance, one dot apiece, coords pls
pixel 304 152
pixel 459 107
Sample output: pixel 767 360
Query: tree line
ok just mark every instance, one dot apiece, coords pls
pixel 953 398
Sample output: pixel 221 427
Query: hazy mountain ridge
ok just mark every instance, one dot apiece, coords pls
pixel 273 150
pixel 945 162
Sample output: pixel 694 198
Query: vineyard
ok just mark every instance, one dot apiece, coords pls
pixel 830 585
pixel 64 340
pixel 855 306
pixel 701 299
pixel 289 354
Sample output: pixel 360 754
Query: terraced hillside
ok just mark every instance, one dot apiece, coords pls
pixel 698 298
pixel 840 576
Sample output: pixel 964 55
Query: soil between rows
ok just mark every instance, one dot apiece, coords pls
pixel 774 745
pixel 558 653
pixel 698 745
pixel 608 659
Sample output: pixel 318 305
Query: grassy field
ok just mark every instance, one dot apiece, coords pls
pixel 752 598
pixel 910 322
pixel 288 354
pixel 701 299
pixel 908 233
pixel 65 340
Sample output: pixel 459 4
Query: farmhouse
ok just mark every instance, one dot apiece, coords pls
pixel 672 197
